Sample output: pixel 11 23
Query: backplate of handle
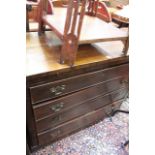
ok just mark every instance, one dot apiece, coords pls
pixel 56 119
pixel 57 107
pixel 58 89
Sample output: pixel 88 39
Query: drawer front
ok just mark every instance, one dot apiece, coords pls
pixel 80 110
pixel 57 106
pixel 54 89
pixel 74 125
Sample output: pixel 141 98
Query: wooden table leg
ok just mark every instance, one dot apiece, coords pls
pixel 126 46
pixel 28 8
pixel 27 20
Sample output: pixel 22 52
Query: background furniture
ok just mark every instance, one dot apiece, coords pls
pixel 118 11
pixel 63 100
pixel 32 14
pixel 122 16
pixel 28 8
pixel 118 16
pixel 103 12
pixel 73 28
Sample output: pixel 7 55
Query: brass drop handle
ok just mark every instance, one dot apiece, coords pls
pixel 56 119
pixel 58 89
pixel 57 107
pixel 124 81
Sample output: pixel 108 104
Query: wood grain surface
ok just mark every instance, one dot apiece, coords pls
pixel 93 29
pixel 43 53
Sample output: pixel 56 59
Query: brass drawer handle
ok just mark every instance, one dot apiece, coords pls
pixel 56 119
pixel 125 81
pixel 57 107
pixel 58 89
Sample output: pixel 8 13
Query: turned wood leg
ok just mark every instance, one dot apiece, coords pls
pixel 27 22
pixel 72 57
pixel 126 46
pixel 28 8
pixel 41 28
pixel 63 54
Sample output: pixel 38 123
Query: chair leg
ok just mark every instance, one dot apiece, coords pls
pixel 41 29
pixel 126 46
pixel 121 25
pixel 69 49
pixel 27 22
pixel 28 8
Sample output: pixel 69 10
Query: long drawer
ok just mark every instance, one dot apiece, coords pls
pixel 54 89
pixel 53 107
pixel 79 110
pixel 76 124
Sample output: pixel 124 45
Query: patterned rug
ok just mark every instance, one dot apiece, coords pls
pixel 104 138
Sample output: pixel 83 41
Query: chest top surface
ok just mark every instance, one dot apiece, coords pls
pixel 43 53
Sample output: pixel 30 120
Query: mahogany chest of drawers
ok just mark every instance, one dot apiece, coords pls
pixel 61 107
pixel 61 101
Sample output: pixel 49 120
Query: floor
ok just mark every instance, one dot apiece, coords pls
pixel 104 138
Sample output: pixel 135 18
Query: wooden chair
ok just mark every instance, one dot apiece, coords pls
pixel 78 23
pixel 103 12
pixel 114 7
pixel 32 11
pixel 28 8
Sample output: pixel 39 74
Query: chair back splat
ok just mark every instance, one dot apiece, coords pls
pixel 72 31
